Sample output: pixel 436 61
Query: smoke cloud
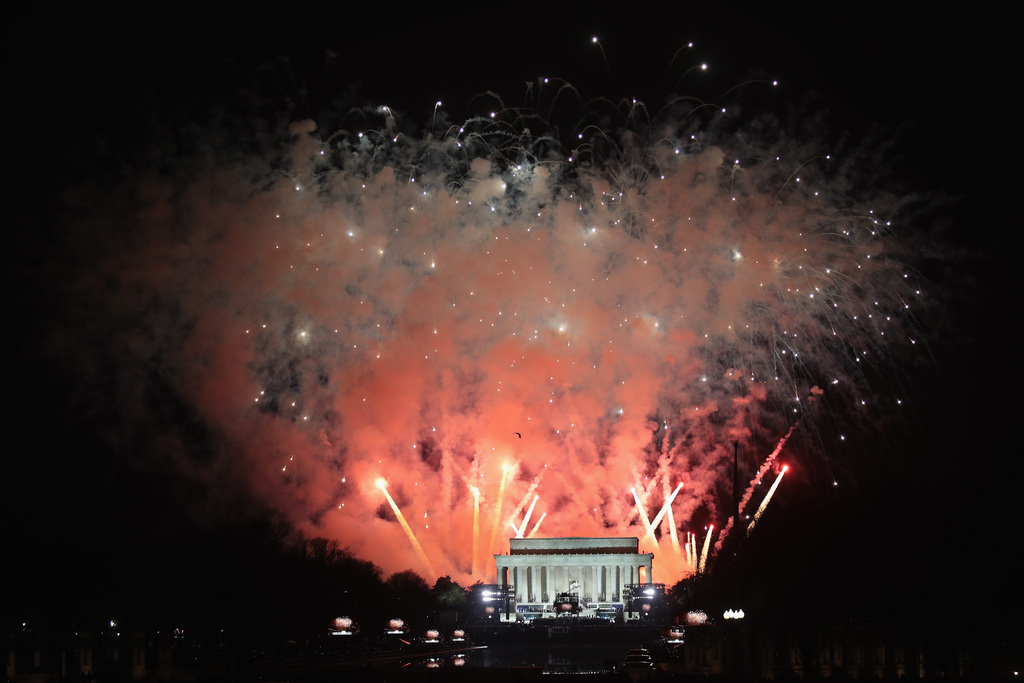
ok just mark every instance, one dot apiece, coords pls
pixel 288 322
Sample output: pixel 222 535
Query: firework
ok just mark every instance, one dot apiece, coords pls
pixel 667 507
pixel 497 506
pixel 769 461
pixel 649 530
pixel 382 485
pixel 483 304
pixel 476 529
pixel 673 533
pixel 526 520
pixel 533 532
pixel 703 564
pixel 767 498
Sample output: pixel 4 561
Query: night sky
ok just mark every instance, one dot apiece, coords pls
pixel 145 157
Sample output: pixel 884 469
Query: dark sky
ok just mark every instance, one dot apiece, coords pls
pixel 88 91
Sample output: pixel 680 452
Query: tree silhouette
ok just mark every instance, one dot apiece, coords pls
pixel 449 594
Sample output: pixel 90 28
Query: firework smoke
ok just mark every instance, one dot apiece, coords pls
pixel 471 309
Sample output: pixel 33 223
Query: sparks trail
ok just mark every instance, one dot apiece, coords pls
pixel 769 461
pixel 767 499
pixel 382 485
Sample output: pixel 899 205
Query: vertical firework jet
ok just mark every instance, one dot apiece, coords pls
pixel 533 532
pixel 360 304
pixel 769 461
pixel 526 520
pixel 767 499
pixel 672 531
pixel 382 485
pixel 703 564
pixel 648 529
pixel 666 507
pixel 476 530
pixel 496 525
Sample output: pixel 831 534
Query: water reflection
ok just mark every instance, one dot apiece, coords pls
pixel 569 658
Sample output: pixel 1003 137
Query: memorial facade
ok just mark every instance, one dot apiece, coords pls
pixel 598 570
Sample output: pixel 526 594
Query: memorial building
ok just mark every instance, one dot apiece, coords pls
pixel 600 571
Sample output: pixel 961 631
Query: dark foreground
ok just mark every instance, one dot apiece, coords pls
pixel 567 650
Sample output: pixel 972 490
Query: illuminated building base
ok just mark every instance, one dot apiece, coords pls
pixel 598 570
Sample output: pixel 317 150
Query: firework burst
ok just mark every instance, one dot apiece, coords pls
pixel 482 313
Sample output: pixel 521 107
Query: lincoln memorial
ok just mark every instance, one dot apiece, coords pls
pixel 598 570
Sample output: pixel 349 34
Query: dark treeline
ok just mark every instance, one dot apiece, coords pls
pixel 259 577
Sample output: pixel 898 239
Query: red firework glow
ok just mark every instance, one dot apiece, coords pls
pixel 505 336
